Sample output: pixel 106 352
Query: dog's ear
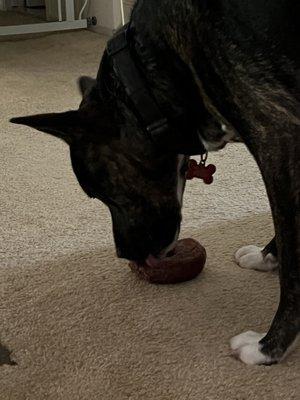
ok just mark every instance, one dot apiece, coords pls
pixel 86 84
pixel 66 125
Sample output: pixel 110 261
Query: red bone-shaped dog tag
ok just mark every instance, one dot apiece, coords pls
pixel 201 171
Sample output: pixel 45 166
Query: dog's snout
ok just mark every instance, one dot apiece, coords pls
pixel 137 245
pixel 139 235
pixel 132 253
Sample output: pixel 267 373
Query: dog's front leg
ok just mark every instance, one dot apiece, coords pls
pixel 281 172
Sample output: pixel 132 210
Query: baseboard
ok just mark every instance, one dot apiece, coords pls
pixel 42 27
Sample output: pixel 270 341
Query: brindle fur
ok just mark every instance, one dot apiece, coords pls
pixel 230 62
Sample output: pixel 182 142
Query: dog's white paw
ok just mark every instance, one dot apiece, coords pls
pixel 251 257
pixel 246 347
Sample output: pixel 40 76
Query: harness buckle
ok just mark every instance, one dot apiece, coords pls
pixel 156 128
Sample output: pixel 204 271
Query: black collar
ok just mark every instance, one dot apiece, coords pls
pixel 145 106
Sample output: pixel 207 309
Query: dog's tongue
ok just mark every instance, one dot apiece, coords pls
pixel 153 261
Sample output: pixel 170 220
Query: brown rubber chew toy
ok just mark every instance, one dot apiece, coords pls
pixel 184 264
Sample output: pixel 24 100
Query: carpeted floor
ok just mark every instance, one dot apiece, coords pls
pixel 77 322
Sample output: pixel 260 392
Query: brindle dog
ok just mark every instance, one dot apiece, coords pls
pixel 231 68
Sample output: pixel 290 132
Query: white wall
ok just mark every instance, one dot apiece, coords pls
pixel 108 13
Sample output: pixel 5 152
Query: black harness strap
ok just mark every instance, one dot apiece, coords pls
pixel 145 107
pixel 149 113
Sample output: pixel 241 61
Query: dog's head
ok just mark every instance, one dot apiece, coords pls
pixel 115 162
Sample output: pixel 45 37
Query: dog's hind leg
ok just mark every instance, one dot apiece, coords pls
pixel 258 258
pixel 280 167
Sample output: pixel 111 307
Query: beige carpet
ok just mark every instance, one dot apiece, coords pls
pixel 77 321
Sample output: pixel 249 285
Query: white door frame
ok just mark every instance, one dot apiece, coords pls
pixel 70 23
pixel 122 12
pixel 3 5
